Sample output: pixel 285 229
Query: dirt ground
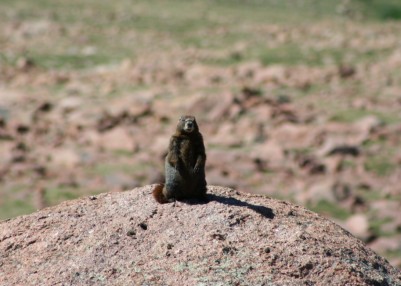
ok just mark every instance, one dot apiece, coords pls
pixel 299 104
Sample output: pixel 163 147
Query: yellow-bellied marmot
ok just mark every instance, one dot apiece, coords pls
pixel 184 164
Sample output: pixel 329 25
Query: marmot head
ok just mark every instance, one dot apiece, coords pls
pixel 187 124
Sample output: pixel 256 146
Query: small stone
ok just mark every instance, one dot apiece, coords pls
pixel 358 225
pixel 131 233
pixel 117 139
pixel 143 225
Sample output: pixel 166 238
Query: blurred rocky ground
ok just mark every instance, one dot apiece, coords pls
pixel 326 135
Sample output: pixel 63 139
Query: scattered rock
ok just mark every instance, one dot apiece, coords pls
pixel 25 64
pixel 311 164
pixel 6 152
pixel 368 124
pixel 271 75
pixel 127 107
pixel 223 138
pixel 385 244
pixel 341 191
pixel 247 70
pixel 222 106
pixel 283 130
pixel 346 71
pixel 117 139
pixel 319 191
pixel 63 157
pixel 343 144
pixel 119 182
pixel 69 104
pixel 293 136
pixel 215 177
pixel 108 121
pixel 344 150
pixel 358 225
pixel 270 152
pixel 159 146
pixel 332 164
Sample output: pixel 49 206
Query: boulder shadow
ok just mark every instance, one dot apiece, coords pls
pixel 262 210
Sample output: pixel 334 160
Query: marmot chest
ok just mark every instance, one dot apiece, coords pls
pixel 188 152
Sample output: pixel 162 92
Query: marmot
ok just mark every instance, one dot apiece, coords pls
pixel 184 164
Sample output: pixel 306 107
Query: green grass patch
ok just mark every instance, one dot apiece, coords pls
pixel 352 115
pixel 13 208
pixel 330 209
pixel 370 195
pixel 294 54
pixel 121 91
pixel 122 153
pixel 302 151
pixel 106 169
pixel 271 11
pixel 348 116
pixel 370 143
pixel 348 164
pixel 381 162
pixel 15 201
pixel 229 60
pixel 380 165
pixel 6 59
pixel 72 61
pixel 122 29
pixel 396 253
pixel 57 195
pixel 375 226
pixel 383 10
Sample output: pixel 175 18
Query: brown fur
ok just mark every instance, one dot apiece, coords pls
pixel 184 164
pixel 158 194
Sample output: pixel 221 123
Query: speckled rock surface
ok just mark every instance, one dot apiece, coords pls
pixel 234 239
